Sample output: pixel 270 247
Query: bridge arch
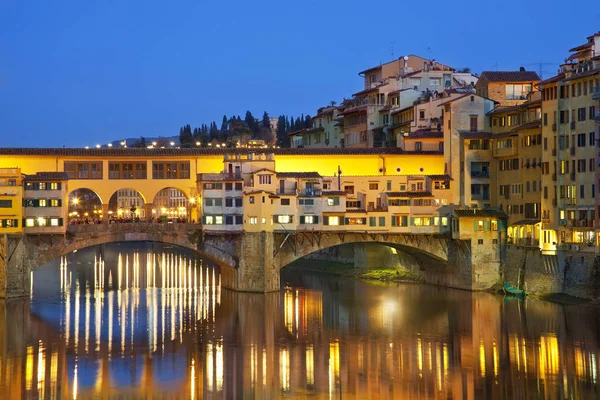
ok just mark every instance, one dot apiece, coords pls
pixel 82 201
pixel 123 201
pixel 172 202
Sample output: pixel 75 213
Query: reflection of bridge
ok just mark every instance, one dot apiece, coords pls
pixel 252 261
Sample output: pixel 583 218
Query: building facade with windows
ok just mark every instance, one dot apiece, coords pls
pixel 44 211
pixel 11 198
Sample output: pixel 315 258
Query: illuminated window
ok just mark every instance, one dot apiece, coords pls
pixel 309 219
pixel 54 222
pixel 480 226
pixel 334 220
pixel 53 185
pixel 209 220
pixel 253 220
pixel 284 219
pixel 29 222
pixel 494 225
pixel 263 220
pixel 42 202
pixel 333 201
pixel 219 220
pixel 418 221
pixel 444 221
pixel 42 221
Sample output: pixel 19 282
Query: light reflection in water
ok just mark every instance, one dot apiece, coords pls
pixel 145 321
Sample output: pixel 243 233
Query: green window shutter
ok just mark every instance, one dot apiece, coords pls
pixel 393 221
pixel 60 222
pixel 364 221
pixel 501 227
pixel 16 222
pixel 475 226
pixel 325 220
pixel 389 185
pixel 36 203
pixel 372 221
pixel 381 221
pixel 59 202
pixel 302 219
pixel 405 220
pixel 486 225
pixel 412 221
pixel 58 185
pixel 336 201
pixel 316 219
pixel 343 221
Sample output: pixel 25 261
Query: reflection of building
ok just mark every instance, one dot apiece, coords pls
pixel 170 202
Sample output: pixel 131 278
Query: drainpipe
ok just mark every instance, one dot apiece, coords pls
pixel 383 165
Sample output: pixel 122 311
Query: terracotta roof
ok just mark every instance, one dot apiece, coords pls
pixel 528 125
pixel 480 213
pixel 581 47
pixel 583 74
pixel 198 152
pixel 334 193
pixel 409 194
pixel 260 191
pixel 297 132
pixel 425 134
pixel 298 175
pixel 356 210
pixel 440 177
pixel 263 170
pixel 47 176
pixel 208 177
pixel 373 89
pixel 526 222
pixel 510 76
pixel 552 80
pixel 475 135
pixel 354 110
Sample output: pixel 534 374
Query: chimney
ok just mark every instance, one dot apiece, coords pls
pixel 522 69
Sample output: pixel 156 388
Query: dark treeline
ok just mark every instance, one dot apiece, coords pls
pixel 236 129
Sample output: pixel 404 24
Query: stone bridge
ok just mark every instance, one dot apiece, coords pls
pixel 251 261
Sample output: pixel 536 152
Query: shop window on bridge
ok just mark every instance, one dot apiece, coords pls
pixel 170 170
pixel 309 219
pixel 283 219
pixel 440 221
pixel 333 220
pixel 355 221
pixel 9 223
pixel 333 201
pixel 83 170
pixel 400 220
pixel 421 221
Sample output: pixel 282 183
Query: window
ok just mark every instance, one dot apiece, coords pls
pixel 517 91
pixel 264 179
pixel 83 170
pixel 372 221
pixel 421 114
pixel 171 170
pixel 308 219
pixel 479 241
pixel 209 220
pixel 480 226
pixel 263 220
pixel 333 201
pixel 238 186
pixel 54 222
pixel 592 140
pixel 349 189
pixel 229 186
pixel 228 202
pixel 381 221
pixel 494 225
pixel 121 170
pixel 306 202
pixel 333 220
pixel 373 186
pixel 253 220
pixel 213 186
pixel 326 186
pixel 29 222
pixel 473 123
pixel 42 203
pixel 418 146
pixel 285 202
pixel 219 220
pixel 251 199
pixel 5 203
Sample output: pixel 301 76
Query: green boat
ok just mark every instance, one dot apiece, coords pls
pixel 513 291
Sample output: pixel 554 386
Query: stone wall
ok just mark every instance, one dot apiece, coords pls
pixel 574 273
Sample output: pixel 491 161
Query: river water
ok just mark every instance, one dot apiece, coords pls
pixel 143 320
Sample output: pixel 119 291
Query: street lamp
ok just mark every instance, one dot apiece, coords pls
pixel 98 146
pixel 172 143
pixel 109 145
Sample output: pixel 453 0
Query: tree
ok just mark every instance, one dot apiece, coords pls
pixel 185 136
pixel 251 122
pixel 332 103
pixel 214 132
pixel 308 122
pixel 143 141
pixel 266 121
pixel 292 125
pixel 225 123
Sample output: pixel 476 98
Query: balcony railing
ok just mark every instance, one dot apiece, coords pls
pixel 596 93
pixel 480 174
pixel 377 208
pixel 309 192
pixel 582 223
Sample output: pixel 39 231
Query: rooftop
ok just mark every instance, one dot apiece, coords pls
pixel 298 175
pixel 409 194
pixel 47 176
pixel 480 213
pixel 510 76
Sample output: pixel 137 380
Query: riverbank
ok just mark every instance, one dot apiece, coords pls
pixel 348 271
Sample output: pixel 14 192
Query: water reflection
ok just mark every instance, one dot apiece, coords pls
pixel 144 321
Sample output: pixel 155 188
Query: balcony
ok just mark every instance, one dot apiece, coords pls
pixel 314 192
pixel 582 223
pixel 480 174
pixel 596 93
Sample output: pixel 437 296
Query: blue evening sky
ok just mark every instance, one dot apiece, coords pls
pixel 78 73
